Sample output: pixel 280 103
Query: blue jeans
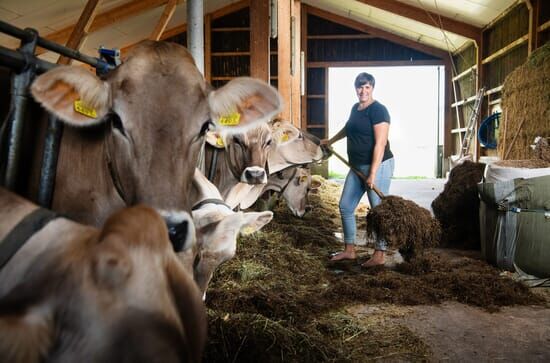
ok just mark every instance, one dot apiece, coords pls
pixel 354 189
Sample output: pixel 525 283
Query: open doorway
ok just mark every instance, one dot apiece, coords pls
pixel 413 96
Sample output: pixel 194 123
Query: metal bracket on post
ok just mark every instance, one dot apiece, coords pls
pixel 19 99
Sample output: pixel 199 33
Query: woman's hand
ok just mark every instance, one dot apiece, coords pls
pixel 370 181
pixel 325 142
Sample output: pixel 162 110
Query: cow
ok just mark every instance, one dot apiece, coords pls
pixel 76 293
pixel 217 229
pixel 135 135
pixel 238 158
pixel 294 148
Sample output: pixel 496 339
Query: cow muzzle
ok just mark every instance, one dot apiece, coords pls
pixel 181 230
pixel 254 175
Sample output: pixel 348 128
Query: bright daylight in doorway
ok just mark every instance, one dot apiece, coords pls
pixel 411 95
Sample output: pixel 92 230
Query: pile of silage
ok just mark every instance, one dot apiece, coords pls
pixel 457 207
pixel 525 106
pixel 404 225
pixel 278 299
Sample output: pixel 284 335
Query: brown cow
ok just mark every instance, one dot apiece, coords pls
pixel 75 293
pixel 136 135
pixel 238 158
pixel 217 229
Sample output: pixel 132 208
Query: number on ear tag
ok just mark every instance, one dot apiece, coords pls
pixel 85 110
pixel 233 119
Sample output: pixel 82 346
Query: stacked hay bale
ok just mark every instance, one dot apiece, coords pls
pixel 457 207
pixel 526 106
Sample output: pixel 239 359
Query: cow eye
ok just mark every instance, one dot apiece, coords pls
pixel 117 124
pixel 205 127
pixel 268 142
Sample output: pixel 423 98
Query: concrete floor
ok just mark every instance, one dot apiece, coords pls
pixel 420 191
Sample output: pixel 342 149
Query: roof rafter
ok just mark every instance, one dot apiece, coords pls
pixel 81 29
pixel 378 32
pixel 107 18
pixel 164 19
pixel 427 17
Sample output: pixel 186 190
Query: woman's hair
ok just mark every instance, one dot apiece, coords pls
pixel 364 78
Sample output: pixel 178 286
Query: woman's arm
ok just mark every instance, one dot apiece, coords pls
pixel 381 131
pixel 340 135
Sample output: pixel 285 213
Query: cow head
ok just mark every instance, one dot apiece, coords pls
pixel 246 153
pixel 155 109
pixel 218 227
pixel 118 294
pixel 294 147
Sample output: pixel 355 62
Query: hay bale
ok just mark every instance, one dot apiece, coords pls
pixel 525 104
pixel 404 225
pixel 457 207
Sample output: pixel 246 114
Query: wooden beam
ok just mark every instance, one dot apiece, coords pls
pixel 208 47
pixel 283 55
pixel 296 69
pixel 506 49
pixel 259 39
pixel 107 18
pixel 377 32
pixel 447 117
pixel 164 19
pixel 427 17
pixel 422 62
pixel 81 29
pixel 303 41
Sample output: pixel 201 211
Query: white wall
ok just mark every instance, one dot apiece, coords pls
pixel 411 96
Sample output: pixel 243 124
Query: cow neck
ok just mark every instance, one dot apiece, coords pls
pixel 112 166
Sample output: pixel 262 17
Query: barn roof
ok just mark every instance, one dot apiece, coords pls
pixel 120 23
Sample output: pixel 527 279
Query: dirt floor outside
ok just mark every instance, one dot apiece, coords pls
pixel 281 300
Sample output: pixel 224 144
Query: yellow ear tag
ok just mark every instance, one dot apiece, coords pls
pixel 80 107
pixel 303 179
pixel 219 141
pixel 247 230
pixel 233 119
pixel 284 138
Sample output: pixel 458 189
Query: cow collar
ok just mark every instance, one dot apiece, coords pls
pixel 23 231
pixel 203 202
pixel 280 176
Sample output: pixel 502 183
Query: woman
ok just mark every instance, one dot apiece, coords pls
pixel 369 151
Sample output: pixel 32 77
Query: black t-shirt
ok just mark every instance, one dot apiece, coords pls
pixel 360 133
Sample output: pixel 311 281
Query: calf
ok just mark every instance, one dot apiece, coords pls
pixel 217 229
pixel 75 293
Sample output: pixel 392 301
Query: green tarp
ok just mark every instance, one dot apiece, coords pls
pixel 515 224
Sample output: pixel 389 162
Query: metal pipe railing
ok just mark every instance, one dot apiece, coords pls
pixel 26 34
pixel 26 66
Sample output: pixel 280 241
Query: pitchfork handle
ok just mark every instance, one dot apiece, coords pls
pixel 357 171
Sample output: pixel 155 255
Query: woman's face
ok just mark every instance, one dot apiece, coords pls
pixel 364 93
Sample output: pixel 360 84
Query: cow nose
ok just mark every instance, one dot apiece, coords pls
pixel 255 175
pixel 309 208
pixel 178 234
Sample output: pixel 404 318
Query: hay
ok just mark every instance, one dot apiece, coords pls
pixel 279 300
pixel 404 225
pixel 527 164
pixel 457 207
pixel 526 106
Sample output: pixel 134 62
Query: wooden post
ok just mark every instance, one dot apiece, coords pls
pixel 283 55
pixel 259 39
pixel 303 33
pixel 164 19
pixel 80 30
pixel 295 59
pixel 208 47
pixel 447 136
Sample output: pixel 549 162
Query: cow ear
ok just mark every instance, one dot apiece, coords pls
pixel 73 94
pixel 254 221
pixel 243 103
pixel 111 266
pixel 187 298
pixel 215 139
